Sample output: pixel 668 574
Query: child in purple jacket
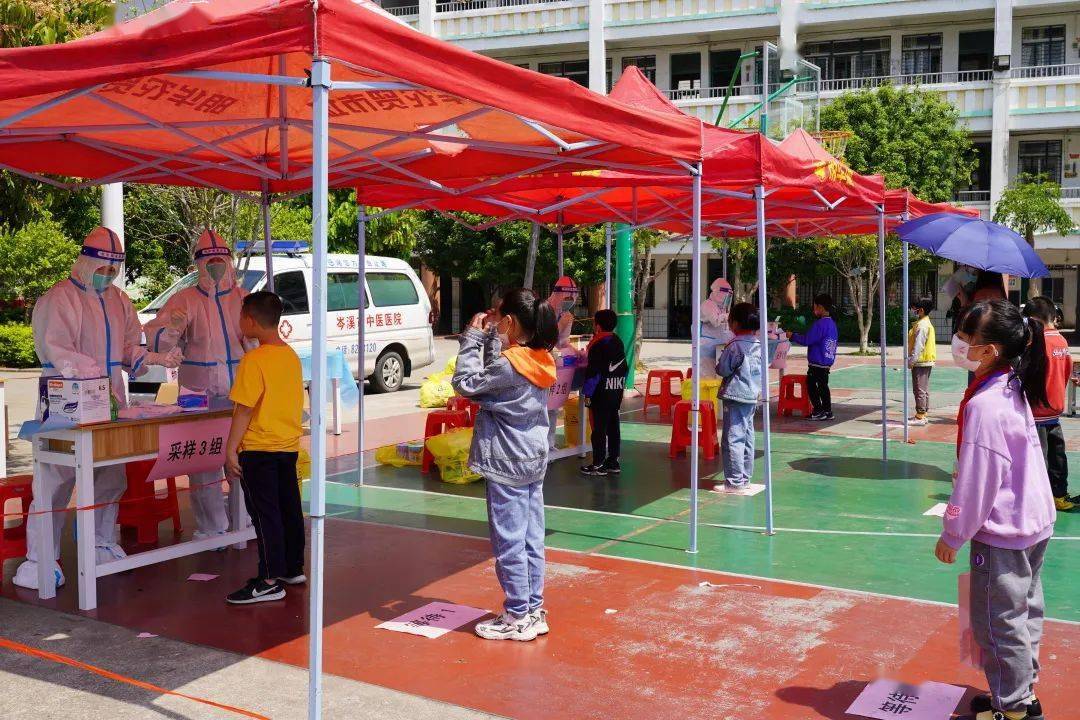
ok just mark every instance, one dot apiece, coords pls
pixel 1001 501
pixel 820 342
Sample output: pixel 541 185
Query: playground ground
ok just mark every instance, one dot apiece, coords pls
pixel 788 626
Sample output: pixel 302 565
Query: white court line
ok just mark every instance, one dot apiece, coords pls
pixel 779 581
pixel 761 528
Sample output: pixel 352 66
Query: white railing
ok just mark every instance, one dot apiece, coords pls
pixel 972 196
pixel 403 11
pixel 459 5
pixel 1070 193
pixel 1045 71
pixel 626 12
pixel 509 17
pixel 712 92
pixel 939 78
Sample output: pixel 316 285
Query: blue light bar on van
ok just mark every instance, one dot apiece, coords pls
pixel 277 246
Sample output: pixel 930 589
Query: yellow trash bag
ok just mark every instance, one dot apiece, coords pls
pixel 451 453
pixel 402 454
pixel 436 389
pixel 571 424
pixel 710 390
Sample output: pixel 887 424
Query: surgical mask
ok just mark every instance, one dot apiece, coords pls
pixel 960 352
pixel 100 281
pixel 216 270
pixel 504 340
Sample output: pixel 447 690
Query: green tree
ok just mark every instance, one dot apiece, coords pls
pixel 1032 204
pixel 33 259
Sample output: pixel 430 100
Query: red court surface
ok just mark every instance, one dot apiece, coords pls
pixel 738 648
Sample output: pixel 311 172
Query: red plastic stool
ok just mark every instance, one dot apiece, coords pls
pixel 458 403
pixel 13 539
pixel 142 509
pixel 790 400
pixel 438 422
pixel 665 399
pixel 680 429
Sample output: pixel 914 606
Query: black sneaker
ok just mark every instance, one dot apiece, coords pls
pixel 815 416
pixel 827 416
pixel 612 467
pixel 596 470
pixel 982 704
pixel 257 591
pixel 297 579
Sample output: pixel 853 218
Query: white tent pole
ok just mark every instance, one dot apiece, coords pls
pixel 361 370
pixel 268 237
pixel 881 334
pixel 559 243
pixel 695 359
pixel 320 118
pixel 763 314
pixel 607 265
pixel 907 304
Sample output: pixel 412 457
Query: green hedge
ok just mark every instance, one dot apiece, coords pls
pixel 17 346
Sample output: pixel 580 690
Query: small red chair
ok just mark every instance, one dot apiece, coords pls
pixel 680 429
pixel 438 422
pixel 141 507
pixel 13 539
pixel 794 396
pixel 665 398
pixel 458 403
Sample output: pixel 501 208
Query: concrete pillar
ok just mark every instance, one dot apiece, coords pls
pixel 999 137
pixel 112 215
pixel 597 53
pixel 426 23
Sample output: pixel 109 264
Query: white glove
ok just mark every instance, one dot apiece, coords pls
pixel 89 370
pixel 178 320
pixel 171 359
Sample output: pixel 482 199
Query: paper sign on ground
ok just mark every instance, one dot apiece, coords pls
pixel 888 699
pixel 970 652
pixel 146 635
pixel 190 447
pixel 748 491
pixel 201 577
pixel 937 511
pixel 434 619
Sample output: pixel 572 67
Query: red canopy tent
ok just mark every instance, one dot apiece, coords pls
pixel 296 96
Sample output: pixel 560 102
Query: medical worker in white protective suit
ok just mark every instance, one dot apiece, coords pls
pixel 562 300
pixel 204 322
pixel 715 333
pixel 86 327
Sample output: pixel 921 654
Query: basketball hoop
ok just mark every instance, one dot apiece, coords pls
pixel 834 141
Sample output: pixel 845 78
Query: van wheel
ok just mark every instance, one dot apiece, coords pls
pixel 389 373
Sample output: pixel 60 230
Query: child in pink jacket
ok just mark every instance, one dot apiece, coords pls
pixel 1002 502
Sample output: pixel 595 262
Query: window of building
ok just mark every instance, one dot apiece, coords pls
pixel 292 289
pixel 576 70
pixel 1042 46
pixel 980 176
pixel 645 63
pixel 921 54
pixel 650 292
pixel 686 71
pixel 854 58
pixel 388 289
pixel 976 51
pixel 722 65
pixel 1054 288
pixel 1040 158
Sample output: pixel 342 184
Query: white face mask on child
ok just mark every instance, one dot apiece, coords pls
pixel 960 355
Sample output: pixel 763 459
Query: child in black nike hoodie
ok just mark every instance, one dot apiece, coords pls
pixel 605 381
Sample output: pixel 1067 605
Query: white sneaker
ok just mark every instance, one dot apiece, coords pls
pixel 294 579
pixel 539 621
pixel 508 627
pixel 918 421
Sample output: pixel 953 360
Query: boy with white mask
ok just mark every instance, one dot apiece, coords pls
pixel 86 327
pixel 204 322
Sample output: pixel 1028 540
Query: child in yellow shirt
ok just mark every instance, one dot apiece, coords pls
pixel 263 445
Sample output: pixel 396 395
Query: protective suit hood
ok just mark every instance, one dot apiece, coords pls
pixel 209 247
pixel 101 248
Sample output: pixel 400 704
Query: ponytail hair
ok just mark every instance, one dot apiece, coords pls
pixel 1021 339
pixel 534 315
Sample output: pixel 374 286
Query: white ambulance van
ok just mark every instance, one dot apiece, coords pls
pixel 397 341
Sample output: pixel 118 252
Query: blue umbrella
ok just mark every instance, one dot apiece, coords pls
pixel 976 242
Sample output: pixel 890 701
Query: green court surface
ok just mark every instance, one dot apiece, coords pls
pixel 843 519
pixel 868 377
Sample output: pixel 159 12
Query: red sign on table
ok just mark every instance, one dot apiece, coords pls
pixel 190 447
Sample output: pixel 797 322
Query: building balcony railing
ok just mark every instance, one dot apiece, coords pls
pixel 469 19
pixel 938 78
pixel 404 11
pixel 1045 71
pixel 1070 193
pixel 459 5
pixel 972 196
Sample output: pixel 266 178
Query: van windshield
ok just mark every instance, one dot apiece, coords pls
pixel 248 280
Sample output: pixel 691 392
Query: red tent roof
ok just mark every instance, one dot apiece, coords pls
pixel 135 103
